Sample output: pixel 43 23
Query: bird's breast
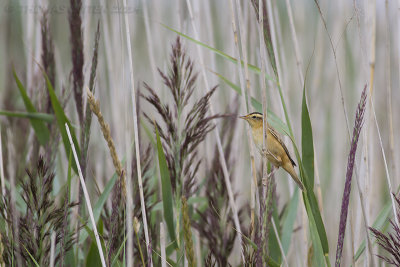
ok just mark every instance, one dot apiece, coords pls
pixel 275 150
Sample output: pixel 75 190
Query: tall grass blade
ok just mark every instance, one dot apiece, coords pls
pixel 66 202
pixel 379 223
pixel 41 131
pixel 274 249
pixel 166 190
pixel 307 144
pixel 309 198
pixel 85 131
pixel 389 242
pixel 98 207
pixel 28 115
pixel 271 262
pixel 289 220
pixel 310 201
pixel 318 255
pixel 219 53
pixel 187 233
pixel 92 256
pixel 30 255
pixel 86 194
pixel 118 253
pixel 306 165
pixel 61 121
pixel 274 120
pixel 266 32
pixel 314 216
pixel 52 248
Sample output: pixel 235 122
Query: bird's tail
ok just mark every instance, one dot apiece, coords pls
pixel 289 168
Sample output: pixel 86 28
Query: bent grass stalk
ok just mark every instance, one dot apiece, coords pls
pixel 247 102
pixel 187 233
pixel 135 128
pixel 162 245
pixel 389 242
pixel 385 164
pixel 265 177
pixel 279 243
pixel 15 216
pixel 86 194
pixel 219 143
pixel 372 72
pixel 52 248
pixel 3 187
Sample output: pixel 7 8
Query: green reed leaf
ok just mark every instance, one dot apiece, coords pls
pixel 40 129
pixel 288 221
pixel 307 144
pixel 274 120
pixel 379 223
pixel 218 52
pixel 98 207
pixel 166 187
pixel 28 115
pixel 61 121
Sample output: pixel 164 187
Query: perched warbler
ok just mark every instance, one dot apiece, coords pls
pixel 276 153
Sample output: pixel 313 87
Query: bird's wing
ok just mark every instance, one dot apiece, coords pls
pixel 279 138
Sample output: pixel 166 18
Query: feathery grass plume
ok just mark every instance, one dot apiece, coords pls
pixel 349 173
pixel 76 39
pixel 146 162
pixel 136 229
pixel 148 190
pixel 389 242
pixel 267 195
pixel 219 230
pixel 64 229
pixel 114 219
pixel 42 216
pixel 250 257
pixel 187 233
pixel 269 199
pixel 267 32
pixel 105 128
pixel 185 129
pixel 116 223
pixel 209 261
pixel 85 130
pixel 258 237
pixel 48 62
pixel 47 55
pixel 7 210
pixel 1 252
pixel 149 193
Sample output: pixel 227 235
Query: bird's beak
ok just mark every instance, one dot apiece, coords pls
pixel 242 117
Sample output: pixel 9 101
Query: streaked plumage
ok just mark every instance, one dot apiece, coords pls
pixel 277 152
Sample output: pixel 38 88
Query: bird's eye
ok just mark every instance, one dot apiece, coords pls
pixel 254 117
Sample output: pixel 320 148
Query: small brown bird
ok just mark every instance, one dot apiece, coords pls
pixel 276 153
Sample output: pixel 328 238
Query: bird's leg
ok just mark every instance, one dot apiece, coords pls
pixel 273 170
pixel 266 153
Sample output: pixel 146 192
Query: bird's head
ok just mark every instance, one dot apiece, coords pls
pixel 255 119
